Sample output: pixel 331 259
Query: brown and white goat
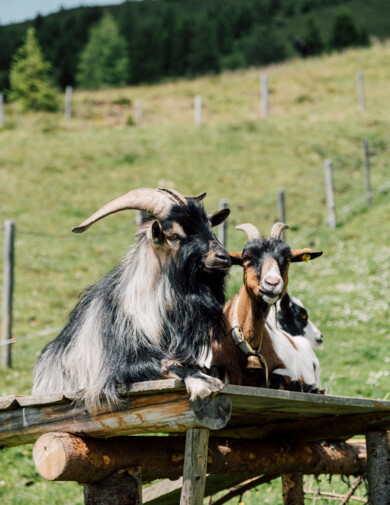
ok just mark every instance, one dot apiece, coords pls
pixel 250 352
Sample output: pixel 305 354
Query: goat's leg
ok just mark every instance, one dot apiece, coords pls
pixel 198 384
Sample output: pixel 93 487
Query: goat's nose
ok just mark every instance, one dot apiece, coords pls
pixel 221 254
pixel 272 281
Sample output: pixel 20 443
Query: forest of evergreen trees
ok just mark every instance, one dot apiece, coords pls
pixel 171 38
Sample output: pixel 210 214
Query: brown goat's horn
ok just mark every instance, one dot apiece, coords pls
pixel 250 229
pixel 154 202
pixel 277 229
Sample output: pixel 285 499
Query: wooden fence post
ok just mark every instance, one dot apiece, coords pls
pixel 378 467
pixel 292 484
pixel 195 465
pixel 8 287
pixel 68 102
pixel 367 179
pixel 138 114
pixel 282 212
pixel 198 110
pixel 264 95
pixel 330 200
pixel 1 110
pixel 222 228
pixel 360 85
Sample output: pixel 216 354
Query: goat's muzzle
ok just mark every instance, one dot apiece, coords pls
pixel 217 259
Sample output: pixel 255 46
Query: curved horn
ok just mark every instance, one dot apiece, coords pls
pixel 174 195
pixel 250 229
pixel 153 201
pixel 277 229
pixel 198 197
pixel 181 199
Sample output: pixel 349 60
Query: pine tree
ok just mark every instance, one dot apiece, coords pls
pixel 314 42
pixel 104 60
pixel 30 77
pixel 204 55
pixel 345 33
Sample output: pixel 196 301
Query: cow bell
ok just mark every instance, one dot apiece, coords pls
pixel 253 363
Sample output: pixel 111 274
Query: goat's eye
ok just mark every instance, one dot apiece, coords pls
pixel 304 316
pixel 173 237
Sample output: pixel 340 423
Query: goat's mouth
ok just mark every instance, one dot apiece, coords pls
pixel 269 296
pixel 217 265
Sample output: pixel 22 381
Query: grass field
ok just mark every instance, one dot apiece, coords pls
pixel 54 173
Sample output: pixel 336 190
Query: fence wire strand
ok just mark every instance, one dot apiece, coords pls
pixel 383 188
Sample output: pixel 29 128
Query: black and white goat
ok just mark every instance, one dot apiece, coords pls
pixel 251 352
pixel 152 316
pixel 290 315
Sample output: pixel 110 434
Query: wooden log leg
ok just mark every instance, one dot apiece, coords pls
pixel 119 488
pixel 293 489
pixel 378 467
pixel 195 465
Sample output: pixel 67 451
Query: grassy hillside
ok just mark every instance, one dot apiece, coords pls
pixel 54 173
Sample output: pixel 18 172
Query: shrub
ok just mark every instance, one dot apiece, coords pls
pixel 262 46
pixel 345 33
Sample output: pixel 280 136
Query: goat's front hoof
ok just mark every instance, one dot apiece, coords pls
pixel 201 388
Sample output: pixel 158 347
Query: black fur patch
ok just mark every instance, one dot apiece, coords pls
pixel 292 318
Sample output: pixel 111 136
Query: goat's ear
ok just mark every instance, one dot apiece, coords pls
pixel 236 258
pixel 304 255
pixel 157 233
pixel 218 217
pixel 285 301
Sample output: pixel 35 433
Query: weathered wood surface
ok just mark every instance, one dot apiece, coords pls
pixel 378 468
pixel 195 465
pixel 163 406
pixel 153 412
pixel 61 456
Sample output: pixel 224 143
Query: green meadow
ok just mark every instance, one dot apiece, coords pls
pixel 56 172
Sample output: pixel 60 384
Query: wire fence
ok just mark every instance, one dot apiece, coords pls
pixel 345 210
pixel 265 202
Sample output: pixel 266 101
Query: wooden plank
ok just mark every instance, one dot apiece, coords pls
pixel 322 428
pixel 256 413
pixel 195 465
pixel 378 468
pixel 245 397
pixel 152 413
pixel 62 456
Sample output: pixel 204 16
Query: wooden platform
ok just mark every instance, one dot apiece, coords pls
pixel 163 407
pixel 254 431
